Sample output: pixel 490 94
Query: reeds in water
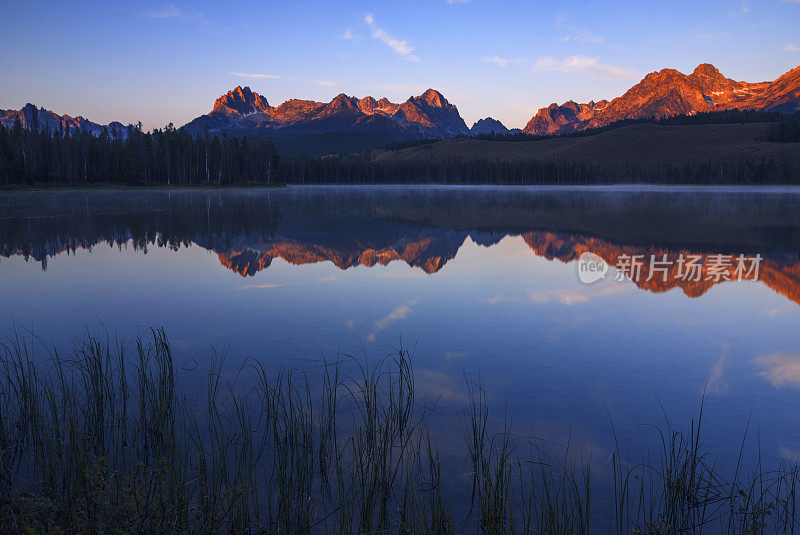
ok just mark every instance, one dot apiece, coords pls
pixel 105 440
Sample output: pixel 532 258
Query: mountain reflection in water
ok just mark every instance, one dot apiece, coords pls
pixel 424 227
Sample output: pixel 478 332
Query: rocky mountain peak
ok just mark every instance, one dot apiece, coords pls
pixel 488 126
pixel 343 100
pixel 433 98
pixel 240 101
pixel 667 93
pixel 428 115
pixel 707 69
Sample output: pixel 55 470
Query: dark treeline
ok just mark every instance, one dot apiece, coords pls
pixel 164 157
pixel 171 157
pixel 364 170
pixel 786 131
pixel 140 219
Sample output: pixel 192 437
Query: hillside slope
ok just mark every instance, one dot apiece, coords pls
pixel 644 144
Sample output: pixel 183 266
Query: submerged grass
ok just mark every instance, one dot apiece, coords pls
pixel 104 440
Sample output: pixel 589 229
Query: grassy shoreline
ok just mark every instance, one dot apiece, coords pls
pixel 105 440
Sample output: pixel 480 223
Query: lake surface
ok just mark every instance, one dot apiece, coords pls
pixel 475 281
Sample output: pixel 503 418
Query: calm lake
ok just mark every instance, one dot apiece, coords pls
pixel 476 282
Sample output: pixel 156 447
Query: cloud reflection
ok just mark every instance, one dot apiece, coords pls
pixel 397 314
pixel 780 369
pixel 257 286
pixel 716 383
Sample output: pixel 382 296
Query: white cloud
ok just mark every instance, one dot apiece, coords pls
pixel 503 62
pixel 780 369
pixel 326 83
pixel 789 47
pixel 170 11
pixel 251 75
pixel 497 60
pixel 400 46
pixel 348 34
pixel 577 34
pixel 584 65
pixel 458 1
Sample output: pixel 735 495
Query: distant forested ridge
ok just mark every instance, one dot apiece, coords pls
pixel 173 157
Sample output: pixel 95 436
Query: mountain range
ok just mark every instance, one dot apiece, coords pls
pixel 428 115
pixel 430 249
pixel 349 124
pixel 669 92
pixel 29 116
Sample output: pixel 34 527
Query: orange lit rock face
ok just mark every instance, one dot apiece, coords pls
pixel 429 249
pixel 428 115
pixel 370 106
pixel 780 274
pixel 241 101
pixel 424 254
pixel 667 93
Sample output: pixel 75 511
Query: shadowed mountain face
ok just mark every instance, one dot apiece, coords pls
pixel 667 93
pixel 31 117
pixel 429 115
pixel 488 126
pixel 423 227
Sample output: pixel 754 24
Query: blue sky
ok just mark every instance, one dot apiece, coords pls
pixel 162 62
